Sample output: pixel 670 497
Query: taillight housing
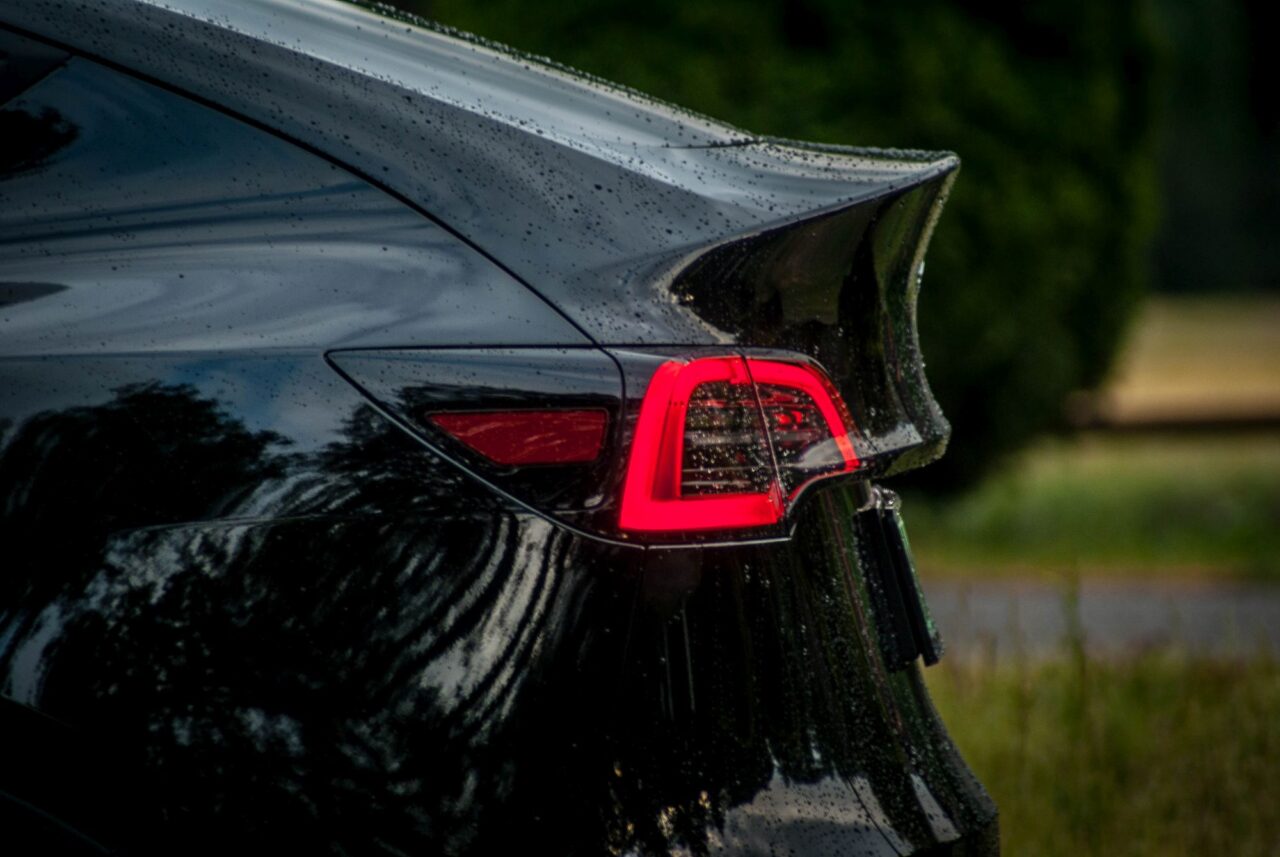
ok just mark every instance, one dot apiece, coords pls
pixel 729 442
pixel 636 446
pixel 540 426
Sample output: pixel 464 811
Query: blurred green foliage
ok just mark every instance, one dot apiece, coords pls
pixel 1040 257
pixel 1219 147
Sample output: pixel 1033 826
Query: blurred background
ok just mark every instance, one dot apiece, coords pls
pixel 1101 317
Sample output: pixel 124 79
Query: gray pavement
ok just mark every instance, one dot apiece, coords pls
pixel 1003 619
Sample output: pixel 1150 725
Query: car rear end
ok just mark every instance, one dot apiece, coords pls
pixel 746 631
pixel 589 555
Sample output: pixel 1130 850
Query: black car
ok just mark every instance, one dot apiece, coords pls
pixel 411 447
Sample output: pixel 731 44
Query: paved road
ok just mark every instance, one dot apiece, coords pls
pixel 1001 618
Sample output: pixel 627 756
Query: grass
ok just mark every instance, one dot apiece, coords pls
pixel 1129 505
pixel 1160 755
pixel 1145 505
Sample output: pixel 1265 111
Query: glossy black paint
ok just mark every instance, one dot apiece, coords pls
pixel 592 196
pixel 330 638
pixel 22 62
pixel 145 222
pixel 246 603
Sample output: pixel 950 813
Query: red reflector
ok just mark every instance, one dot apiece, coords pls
pixel 702 457
pixel 528 437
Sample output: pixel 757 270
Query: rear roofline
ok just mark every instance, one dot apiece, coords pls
pixel 611 207
pixel 455 127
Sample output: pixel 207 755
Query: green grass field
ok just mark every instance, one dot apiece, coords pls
pixel 1122 505
pixel 1158 753
pixel 1156 756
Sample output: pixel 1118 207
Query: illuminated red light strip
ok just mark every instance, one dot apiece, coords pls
pixel 651 498
pixel 811 381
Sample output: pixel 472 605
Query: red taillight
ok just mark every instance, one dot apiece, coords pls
pixel 524 437
pixel 808 422
pixel 724 442
pixel 654 496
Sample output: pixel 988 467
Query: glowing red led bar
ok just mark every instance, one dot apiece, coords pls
pixel 813 382
pixel 517 438
pixel 651 496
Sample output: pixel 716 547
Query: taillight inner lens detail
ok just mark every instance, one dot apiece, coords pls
pixel 808 422
pixel 524 437
pixel 724 450
pixel 726 442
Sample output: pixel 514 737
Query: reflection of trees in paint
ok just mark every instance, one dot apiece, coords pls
pixel 368 650
pixel 335 675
